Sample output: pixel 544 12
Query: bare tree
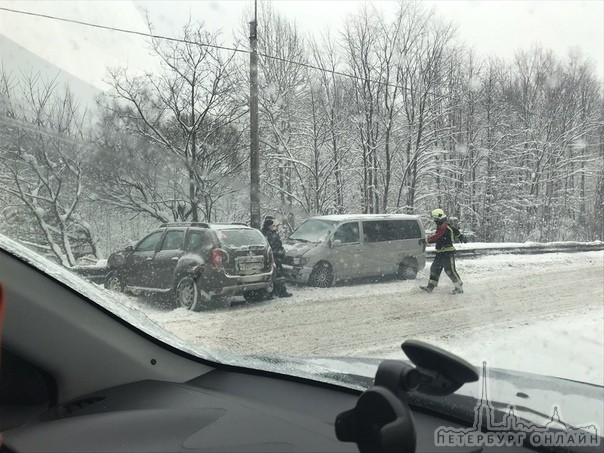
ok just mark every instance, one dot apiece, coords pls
pixel 556 116
pixel 283 86
pixel 133 175
pixel 494 144
pixel 421 68
pixel 333 92
pixel 42 156
pixel 184 109
pixel 360 41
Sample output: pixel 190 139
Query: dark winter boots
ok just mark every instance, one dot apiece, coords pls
pixel 457 290
pixel 429 289
pixel 280 288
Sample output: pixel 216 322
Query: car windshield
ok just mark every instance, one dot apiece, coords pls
pixel 455 149
pixel 313 230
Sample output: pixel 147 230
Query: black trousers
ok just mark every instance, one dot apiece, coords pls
pixel 446 261
pixel 279 287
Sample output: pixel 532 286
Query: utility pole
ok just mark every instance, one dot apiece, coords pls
pixel 254 141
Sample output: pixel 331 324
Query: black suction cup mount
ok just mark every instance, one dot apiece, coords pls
pixel 379 422
pixel 441 373
pixel 382 419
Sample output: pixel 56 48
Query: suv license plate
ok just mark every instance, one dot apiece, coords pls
pixel 250 266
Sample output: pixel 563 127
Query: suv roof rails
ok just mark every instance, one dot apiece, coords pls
pixel 230 223
pixel 190 224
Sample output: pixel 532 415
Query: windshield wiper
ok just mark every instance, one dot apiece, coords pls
pixel 299 239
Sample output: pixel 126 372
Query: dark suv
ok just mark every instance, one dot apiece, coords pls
pixel 196 262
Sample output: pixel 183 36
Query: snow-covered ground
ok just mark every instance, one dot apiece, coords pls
pixel 535 313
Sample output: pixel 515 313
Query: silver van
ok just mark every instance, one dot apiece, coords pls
pixel 326 249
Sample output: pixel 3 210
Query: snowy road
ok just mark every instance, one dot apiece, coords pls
pixel 528 306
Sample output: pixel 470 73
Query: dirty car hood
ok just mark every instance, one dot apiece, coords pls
pixel 295 248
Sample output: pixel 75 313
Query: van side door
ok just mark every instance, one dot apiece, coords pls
pixel 347 251
pixel 379 249
pixel 389 242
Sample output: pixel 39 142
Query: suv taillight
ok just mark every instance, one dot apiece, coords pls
pixel 219 257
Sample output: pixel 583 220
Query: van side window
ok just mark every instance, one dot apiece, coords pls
pixel 347 233
pixel 390 230
pixel 410 229
pixel 374 231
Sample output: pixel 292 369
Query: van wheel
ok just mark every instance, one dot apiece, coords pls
pixel 321 276
pixel 407 271
pixel 114 282
pixel 188 295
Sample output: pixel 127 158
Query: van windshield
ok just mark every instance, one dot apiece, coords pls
pixel 313 230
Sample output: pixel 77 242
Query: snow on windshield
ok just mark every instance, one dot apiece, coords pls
pixel 313 230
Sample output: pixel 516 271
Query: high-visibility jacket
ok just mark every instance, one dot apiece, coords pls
pixel 444 238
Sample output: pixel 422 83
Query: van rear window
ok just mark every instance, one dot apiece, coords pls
pixel 390 230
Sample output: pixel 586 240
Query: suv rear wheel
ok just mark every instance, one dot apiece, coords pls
pixel 188 295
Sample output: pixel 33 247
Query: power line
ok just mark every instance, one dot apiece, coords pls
pixel 120 30
pixel 21 124
pixel 185 41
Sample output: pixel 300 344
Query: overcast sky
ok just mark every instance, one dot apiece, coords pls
pixel 491 27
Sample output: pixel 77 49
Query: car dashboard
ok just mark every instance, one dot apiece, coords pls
pixel 219 411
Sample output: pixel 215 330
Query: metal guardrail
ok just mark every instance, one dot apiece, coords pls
pixel 98 274
pixel 468 251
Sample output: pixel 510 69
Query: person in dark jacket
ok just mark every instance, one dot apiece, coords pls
pixel 444 238
pixel 269 229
